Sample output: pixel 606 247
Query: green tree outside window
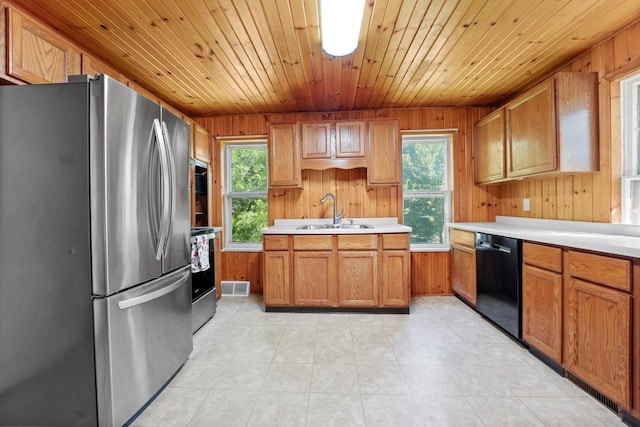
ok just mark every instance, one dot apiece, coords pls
pixel 246 199
pixel 425 180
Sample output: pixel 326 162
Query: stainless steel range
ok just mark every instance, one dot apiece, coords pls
pixel 203 290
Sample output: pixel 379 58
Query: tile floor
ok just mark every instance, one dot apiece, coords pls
pixel 442 365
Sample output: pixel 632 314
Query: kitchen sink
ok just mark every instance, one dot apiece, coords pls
pixel 334 226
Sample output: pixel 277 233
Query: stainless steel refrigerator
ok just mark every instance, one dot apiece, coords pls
pixel 95 280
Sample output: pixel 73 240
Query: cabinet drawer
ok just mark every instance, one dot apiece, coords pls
pixel 276 243
pixel 609 271
pixel 359 241
pixel 547 257
pixel 395 241
pixel 462 237
pixel 312 243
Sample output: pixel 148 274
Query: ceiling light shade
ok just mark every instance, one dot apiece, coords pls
pixel 340 22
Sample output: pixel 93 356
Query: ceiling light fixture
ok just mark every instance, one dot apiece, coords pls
pixel 340 22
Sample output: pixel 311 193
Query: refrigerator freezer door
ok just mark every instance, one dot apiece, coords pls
pixel 46 333
pixel 143 336
pixel 178 247
pixel 126 183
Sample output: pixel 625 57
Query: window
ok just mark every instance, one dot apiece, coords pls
pixel 245 194
pixel 630 95
pixel 426 188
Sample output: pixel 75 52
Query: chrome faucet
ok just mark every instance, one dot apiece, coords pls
pixel 336 217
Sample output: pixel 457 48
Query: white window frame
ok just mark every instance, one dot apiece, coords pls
pixel 433 138
pixel 630 121
pixel 229 195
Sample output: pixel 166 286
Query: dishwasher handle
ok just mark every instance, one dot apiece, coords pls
pixel 496 247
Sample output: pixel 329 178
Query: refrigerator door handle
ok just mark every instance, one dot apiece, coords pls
pixel 166 188
pixel 144 298
pixel 172 185
pixel 152 186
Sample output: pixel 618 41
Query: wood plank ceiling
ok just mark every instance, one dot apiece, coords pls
pixel 256 56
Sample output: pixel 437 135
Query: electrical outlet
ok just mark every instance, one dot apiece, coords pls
pixel 526 205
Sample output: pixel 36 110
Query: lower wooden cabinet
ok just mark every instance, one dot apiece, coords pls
pixel 542 311
pixel 463 272
pixel 599 339
pixel 599 324
pixel 396 271
pixel 276 273
pixel 358 278
pixel 314 281
pixel 355 270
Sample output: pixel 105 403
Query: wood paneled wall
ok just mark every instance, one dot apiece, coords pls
pixel 431 271
pixel 595 196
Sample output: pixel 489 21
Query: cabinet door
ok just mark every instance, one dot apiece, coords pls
pixel 92 66
pixel 384 153
pixel 316 140
pixel 314 278
pixel 542 310
pixel 350 139
pixel 489 148
pixel 599 339
pixel 396 280
pixel 277 283
pixel 358 278
pixel 531 132
pixel 36 54
pixel 463 273
pixel 201 143
pixel 284 156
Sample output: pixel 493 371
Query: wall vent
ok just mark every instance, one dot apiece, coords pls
pixel 235 288
pixel 595 393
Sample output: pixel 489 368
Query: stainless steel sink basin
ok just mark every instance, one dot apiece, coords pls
pixel 315 227
pixel 333 226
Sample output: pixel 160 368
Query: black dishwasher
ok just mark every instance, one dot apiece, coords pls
pixel 499 281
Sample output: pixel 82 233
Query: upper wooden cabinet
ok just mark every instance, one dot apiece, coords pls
pixel 333 144
pixel 350 139
pixel 201 143
pixel 315 140
pixel 384 148
pixel 284 156
pixel 550 129
pixel 35 53
pixel 489 148
pixel 93 66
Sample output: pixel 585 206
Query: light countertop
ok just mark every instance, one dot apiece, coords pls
pixel 615 239
pixel 380 225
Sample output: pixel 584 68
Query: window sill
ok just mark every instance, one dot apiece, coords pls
pixel 431 248
pixel 243 248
